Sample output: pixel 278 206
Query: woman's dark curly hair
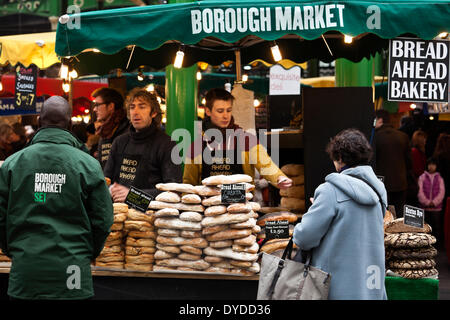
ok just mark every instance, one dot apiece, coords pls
pixel 351 147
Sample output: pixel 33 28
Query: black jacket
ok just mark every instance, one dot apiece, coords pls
pixel 142 160
pixel 393 157
pixel 104 145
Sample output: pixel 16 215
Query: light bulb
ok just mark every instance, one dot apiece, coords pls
pixel 276 53
pixel 73 74
pixel 1 86
pixel 348 39
pixel 199 75
pixel 66 87
pixel 413 106
pixel 151 87
pixel 179 59
pixel 244 78
pixel 64 71
pixel 256 103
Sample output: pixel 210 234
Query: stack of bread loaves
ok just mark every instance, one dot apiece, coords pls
pixel 293 198
pixel 140 241
pixel 178 219
pixel 409 250
pixel 112 255
pixel 230 229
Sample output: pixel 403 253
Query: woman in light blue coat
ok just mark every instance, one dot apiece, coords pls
pixel 344 226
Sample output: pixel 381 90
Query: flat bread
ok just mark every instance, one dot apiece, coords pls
pixel 409 240
pixel 177 187
pixel 416 273
pixel 414 253
pixel 222 179
pixel 412 264
pixel 398 226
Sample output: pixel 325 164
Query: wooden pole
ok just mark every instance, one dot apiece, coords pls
pixel 237 53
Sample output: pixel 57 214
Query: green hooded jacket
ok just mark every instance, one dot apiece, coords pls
pixel 55 215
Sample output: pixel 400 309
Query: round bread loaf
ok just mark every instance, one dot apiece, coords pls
pixel 215 210
pixel 189 256
pixel 179 206
pixel 140 242
pixel 174 241
pixel 191 199
pixel 229 234
pixel 221 244
pixel 168 232
pixel 191 250
pixel 170 249
pixel 416 273
pixel 212 201
pixel 412 264
pixel 120 207
pixel 177 187
pixel 114 235
pixel 111 257
pixel 239 208
pixel 142 234
pixel 161 254
pixel 208 191
pixel 174 262
pixel 139 267
pixel 167 212
pixel 120 217
pixel 190 234
pixel 230 254
pixel 175 223
pixel 112 265
pixel 134 214
pixel 250 249
pixel 293 170
pixel 247 241
pixel 398 226
pixel 145 258
pixel 213 259
pixel 117 226
pixel 226 218
pixel 276 216
pixel 293 192
pixel 134 251
pixel 191 216
pixel 132 225
pixel 414 253
pixel 214 229
pixel 113 249
pixel 168 196
pixel 409 240
pixel 222 179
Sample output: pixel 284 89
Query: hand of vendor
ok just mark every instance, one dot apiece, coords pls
pixel 284 182
pixel 118 192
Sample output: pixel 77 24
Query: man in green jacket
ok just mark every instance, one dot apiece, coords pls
pixel 55 211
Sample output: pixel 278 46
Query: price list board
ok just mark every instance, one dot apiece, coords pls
pixel 25 91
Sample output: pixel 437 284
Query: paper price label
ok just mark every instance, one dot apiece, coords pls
pixel 277 229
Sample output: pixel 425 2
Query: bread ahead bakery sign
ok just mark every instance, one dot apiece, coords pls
pixel 418 70
pixel 264 19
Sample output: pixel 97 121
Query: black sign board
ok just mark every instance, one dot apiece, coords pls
pixel 26 79
pixel 413 216
pixel 278 229
pixel 138 199
pixel 233 193
pixel 418 70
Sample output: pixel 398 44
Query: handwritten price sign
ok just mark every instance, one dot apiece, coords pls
pixel 26 79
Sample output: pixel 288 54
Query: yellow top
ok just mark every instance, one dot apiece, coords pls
pixel 36 48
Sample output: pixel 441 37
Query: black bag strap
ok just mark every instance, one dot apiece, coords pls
pixel 373 188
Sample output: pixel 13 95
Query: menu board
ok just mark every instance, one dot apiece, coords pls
pixel 25 93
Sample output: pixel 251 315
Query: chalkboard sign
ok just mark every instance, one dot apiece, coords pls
pixel 277 229
pixel 413 216
pixel 25 95
pixel 233 193
pixel 138 199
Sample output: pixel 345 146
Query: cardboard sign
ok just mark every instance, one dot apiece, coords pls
pixel 284 82
pixel 418 70
pixel 138 199
pixel 25 93
pixel 413 216
pixel 277 229
pixel 233 193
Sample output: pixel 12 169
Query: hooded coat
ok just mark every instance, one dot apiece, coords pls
pixel 344 231
pixel 55 215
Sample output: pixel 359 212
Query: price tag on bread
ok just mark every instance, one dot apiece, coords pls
pixel 233 193
pixel 138 199
pixel 278 229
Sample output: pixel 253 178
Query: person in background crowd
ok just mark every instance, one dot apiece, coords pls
pixel 418 157
pixel 8 138
pixel 141 158
pixel 112 117
pixel 79 131
pixel 431 196
pixel 19 129
pixel 219 103
pixel 92 140
pixel 393 160
pixel 343 228
pixel 407 125
pixel 55 211
pixel 260 185
pixel 442 155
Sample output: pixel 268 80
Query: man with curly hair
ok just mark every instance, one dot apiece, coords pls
pixel 142 157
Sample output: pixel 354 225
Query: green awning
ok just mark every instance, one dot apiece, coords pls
pixel 211 30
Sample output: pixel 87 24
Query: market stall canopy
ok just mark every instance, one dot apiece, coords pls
pixel 36 48
pixel 211 31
